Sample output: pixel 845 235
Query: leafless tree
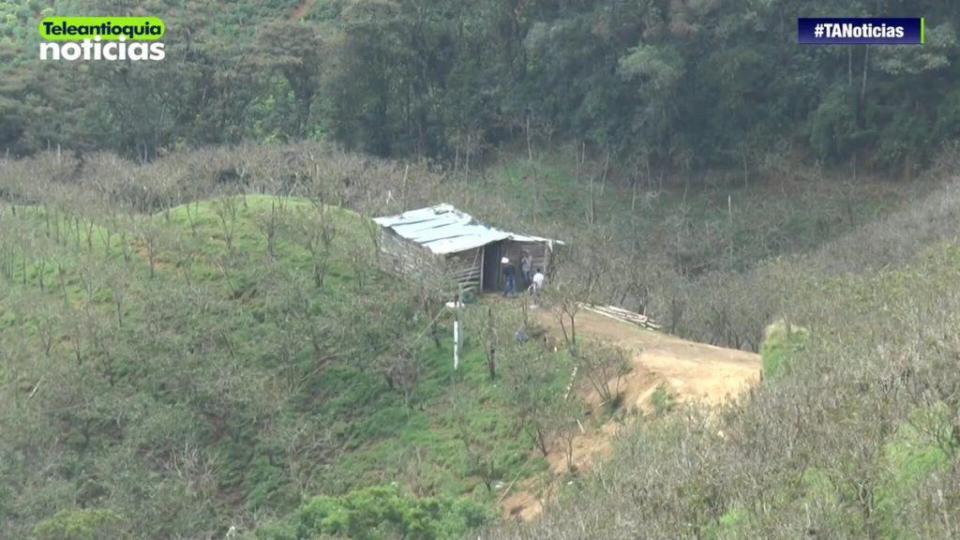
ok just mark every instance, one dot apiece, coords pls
pixel 604 366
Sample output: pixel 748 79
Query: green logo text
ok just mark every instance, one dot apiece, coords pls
pixel 108 28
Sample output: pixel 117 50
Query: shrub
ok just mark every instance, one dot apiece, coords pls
pixel 663 400
pixel 88 524
pixel 379 512
pixel 782 341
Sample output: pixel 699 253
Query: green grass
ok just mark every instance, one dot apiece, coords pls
pixel 781 343
pixel 216 370
pixel 909 460
pixel 663 400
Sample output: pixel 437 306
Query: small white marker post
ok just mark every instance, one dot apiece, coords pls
pixel 457 331
pixel 456 344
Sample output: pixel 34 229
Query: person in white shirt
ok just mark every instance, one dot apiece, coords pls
pixel 536 285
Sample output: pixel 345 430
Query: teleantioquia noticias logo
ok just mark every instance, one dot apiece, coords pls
pixel 102 38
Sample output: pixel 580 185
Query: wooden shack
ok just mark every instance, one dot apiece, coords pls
pixel 427 239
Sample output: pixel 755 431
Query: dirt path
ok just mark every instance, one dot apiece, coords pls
pixel 693 371
pixel 690 371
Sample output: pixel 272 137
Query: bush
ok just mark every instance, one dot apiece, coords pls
pixel 782 341
pixel 663 400
pixel 908 461
pixel 89 524
pixel 380 512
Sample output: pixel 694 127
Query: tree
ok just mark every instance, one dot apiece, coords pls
pixel 490 338
pixel 531 379
pixel 572 285
pixel 299 53
pixel 317 231
pixel 85 524
pixel 604 366
pixel 401 369
pixel 476 445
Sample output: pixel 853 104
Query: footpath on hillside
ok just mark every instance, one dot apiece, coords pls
pixel 689 371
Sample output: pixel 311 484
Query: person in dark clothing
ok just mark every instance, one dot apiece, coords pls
pixel 526 265
pixel 510 277
pixel 521 336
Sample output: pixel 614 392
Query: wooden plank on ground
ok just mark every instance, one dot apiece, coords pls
pixel 622 315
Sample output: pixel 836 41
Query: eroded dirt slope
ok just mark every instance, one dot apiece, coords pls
pixel 690 371
pixel 693 371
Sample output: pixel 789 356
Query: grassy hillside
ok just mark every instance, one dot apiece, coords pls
pixel 240 361
pixel 683 255
pixel 176 374
pixel 854 432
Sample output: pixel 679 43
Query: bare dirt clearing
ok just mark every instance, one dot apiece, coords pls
pixel 690 372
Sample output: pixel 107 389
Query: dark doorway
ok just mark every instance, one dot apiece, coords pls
pixel 491 267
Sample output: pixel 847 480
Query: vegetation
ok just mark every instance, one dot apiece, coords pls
pixel 782 342
pixel 603 367
pixel 184 373
pixel 853 432
pixel 197 339
pixel 218 343
pixel 663 401
pixel 377 513
pixel 654 86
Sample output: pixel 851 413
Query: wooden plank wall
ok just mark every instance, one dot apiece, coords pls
pixel 403 256
pixel 466 267
pixel 406 257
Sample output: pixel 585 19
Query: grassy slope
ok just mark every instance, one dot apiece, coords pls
pixel 921 449
pixel 369 436
pixel 845 379
pixel 374 437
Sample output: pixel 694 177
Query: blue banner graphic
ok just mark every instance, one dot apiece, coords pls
pixel 860 31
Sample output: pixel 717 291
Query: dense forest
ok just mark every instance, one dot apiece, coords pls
pixel 657 84
pixel 199 337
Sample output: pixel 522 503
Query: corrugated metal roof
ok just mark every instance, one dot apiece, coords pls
pixel 443 230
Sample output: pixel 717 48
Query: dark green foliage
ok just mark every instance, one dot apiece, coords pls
pixel 833 125
pixel 87 524
pixel 663 400
pixel 379 513
pixel 673 85
pixel 782 342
